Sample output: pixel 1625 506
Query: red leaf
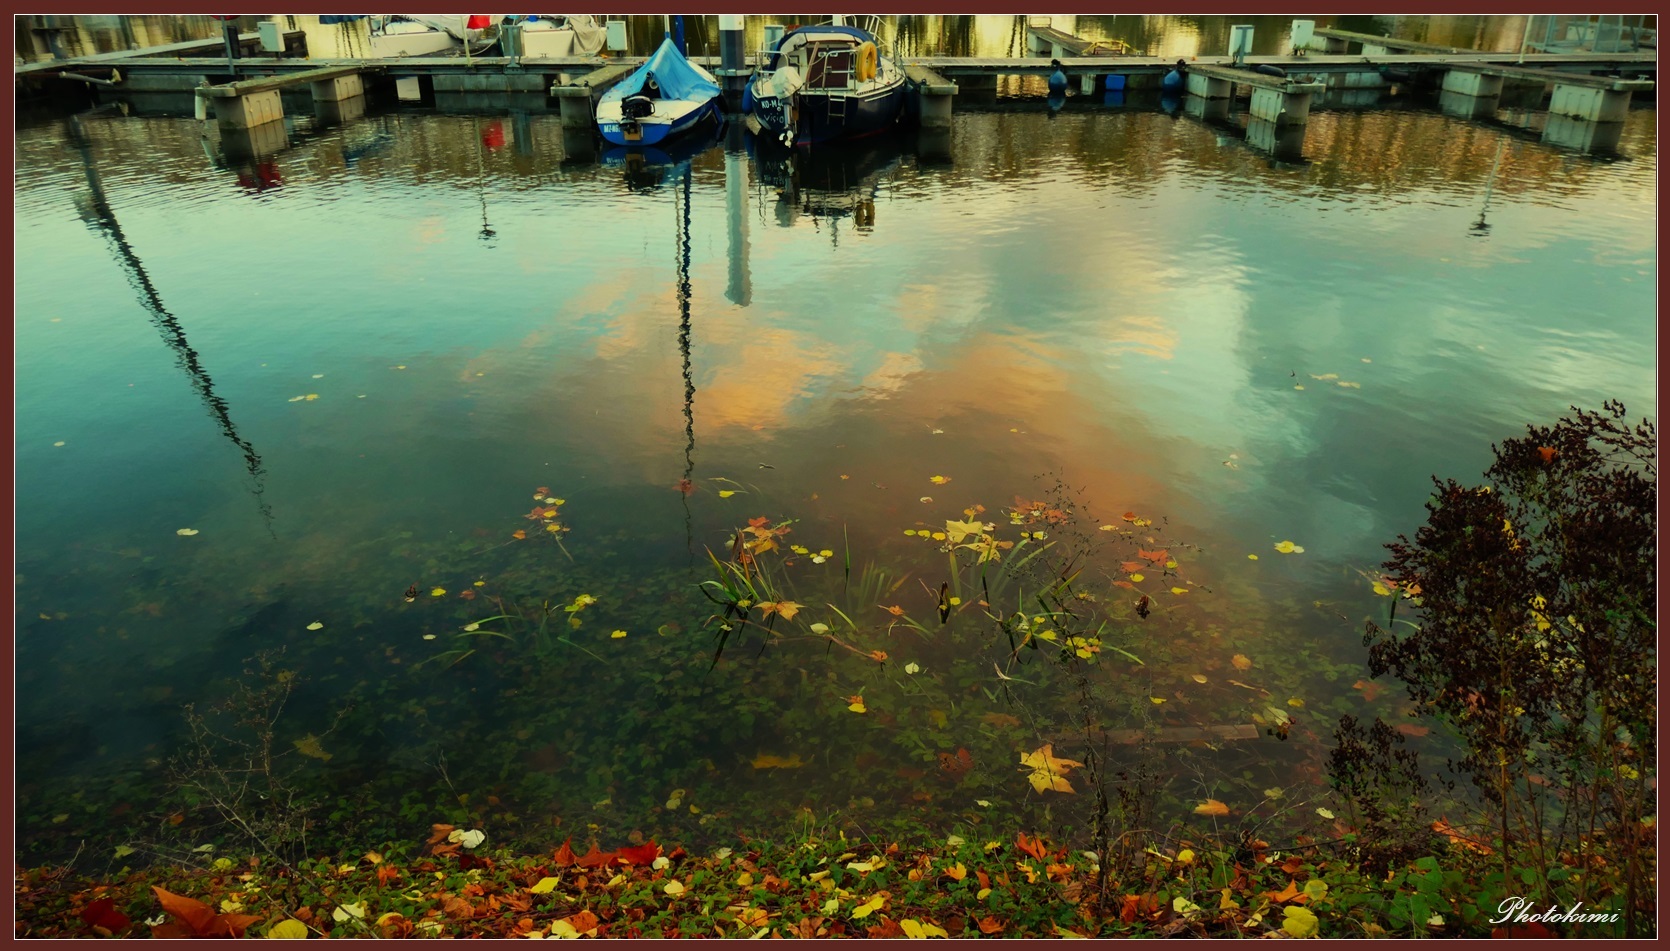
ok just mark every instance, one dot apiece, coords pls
pixel 565 855
pixel 230 926
pixel 1548 455
pixel 639 854
pixel 686 486
pixel 594 858
pixel 103 914
pixel 196 915
pixel 990 925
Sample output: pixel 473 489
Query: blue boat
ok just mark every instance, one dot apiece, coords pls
pixel 823 84
pixel 665 97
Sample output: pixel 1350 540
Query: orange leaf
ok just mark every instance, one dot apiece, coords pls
pixel 1032 847
pixel 583 921
pixel 1287 894
pixel 565 855
pixel 1548 453
pixel 518 534
pixel 1125 584
pixel 990 925
pixel 1241 662
pixel 1410 729
pixel 895 610
pixel 542 491
pixel 1212 807
pixel 468 594
pixel 1158 557
pixel 984 879
pixel 1370 690
pixel 686 486
pixel 1129 566
pixel 192 912
pixel 878 656
pixel 1129 516
pixel 594 858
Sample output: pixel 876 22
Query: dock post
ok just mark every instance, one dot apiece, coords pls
pixel 1468 83
pixel 1582 135
pixel 732 73
pixel 1280 107
pixel 1087 84
pixel 933 94
pixel 575 111
pixel 249 110
pixel 1209 87
pixel 338 88
pixel 1588 103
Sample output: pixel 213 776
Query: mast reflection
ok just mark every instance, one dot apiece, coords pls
pixel 103 220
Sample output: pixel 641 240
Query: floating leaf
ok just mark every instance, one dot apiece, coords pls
pixel 437 592
pixel 1370 690
pixel 1252 557
pixel 765 761
pixel 309 746
pixel 1137 577
pixel 617 634
pixel 1198 678
pixel 185 531
pixel 1410 729
pixel 1324 813
pixel 939 480
pixel 1212 807
pixel 1288 548
pixel 519 533
pixel 726 493
pixel 855 703
pixel 1241 662
pixel 1176 590
pixel 1049 772
pixel 316 625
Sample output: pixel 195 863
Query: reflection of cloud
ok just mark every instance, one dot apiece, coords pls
pixel 895 371
pixel 759 383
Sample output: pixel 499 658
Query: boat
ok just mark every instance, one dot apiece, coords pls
pixel 665 97
pixel 823 84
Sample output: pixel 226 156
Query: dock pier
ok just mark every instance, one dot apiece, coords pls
pixel 251 103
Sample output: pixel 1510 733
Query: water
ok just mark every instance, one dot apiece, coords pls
pixel 348 367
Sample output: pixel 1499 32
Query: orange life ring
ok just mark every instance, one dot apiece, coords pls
pixel 865 69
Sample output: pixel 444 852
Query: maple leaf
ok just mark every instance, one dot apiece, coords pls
pixel 595 859
pixel 103 914
pixel 990 925
pixel 1049 771
pixel 195 919
pixel 1370 690
pixel 1212 807
pixel 955 532
pixel 565 855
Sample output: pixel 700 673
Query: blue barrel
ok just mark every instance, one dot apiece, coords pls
pixel 1173 81
pixel 1058 81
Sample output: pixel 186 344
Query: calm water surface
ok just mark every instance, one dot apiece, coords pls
pixel 347 369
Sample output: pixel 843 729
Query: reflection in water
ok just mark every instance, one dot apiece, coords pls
pixel 685 484
pixel 103 218
pixel 487 233
pixel 1481 228
pixel 828 184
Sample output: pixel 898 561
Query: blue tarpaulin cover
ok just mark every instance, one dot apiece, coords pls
pixel 675 75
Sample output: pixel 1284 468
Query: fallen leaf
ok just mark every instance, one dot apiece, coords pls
pixel 855 703
pixel 437 592
pixel 1324 813
pixel 1410 729
pixel 990 925
pixel 939 480
pixel 288 928
pixel 1299 921
pixel 316 625
pixel 185 531
pixel 1048 771
pixel 1241 662
pixel 1212 807
pixel 519 533
pixel 309 746
pixel 765 761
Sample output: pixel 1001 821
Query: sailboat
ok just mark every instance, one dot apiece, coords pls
pixel 824 83
pixel 665 97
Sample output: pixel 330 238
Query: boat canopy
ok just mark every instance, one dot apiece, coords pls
pixel 677 77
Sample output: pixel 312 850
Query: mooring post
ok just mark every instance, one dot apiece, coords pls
pixel 733 75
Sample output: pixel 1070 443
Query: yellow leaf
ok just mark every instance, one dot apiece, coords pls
pixel 981 894
pixel 956 532
pixel 316 625
pixel 617 634
pixel 915 929
pixel 545 885
pixel 185 531
pixel 1316 890
pixel 437 592
pixel 764 761
pixel 1298 921
pixel 1381 589
pixel 288 928
pixel 1199 678
pixel 1156 700
pixel 875 903
pixel 1048 770
pixel 309 746
pixel 1287 548
pixel 1253 557
pixel 855 703
pixel 1185 857
pixel 674 888
pixel 1225 902
pixel 939 480
pixel 1179 590
pixel 1137 576
pixel 957 872
pixel 787 610
pixel 1241 662
pixel 726 493
pixel 1212 807
pixel 1295 702
pixel 562 929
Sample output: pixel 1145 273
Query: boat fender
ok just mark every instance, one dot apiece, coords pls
pixel 1058 79
pixel 1270 70
pixel 865 68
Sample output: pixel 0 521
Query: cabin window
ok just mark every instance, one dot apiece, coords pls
pixel 830 68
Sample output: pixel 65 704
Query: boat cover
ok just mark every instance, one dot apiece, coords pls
pixel 677 77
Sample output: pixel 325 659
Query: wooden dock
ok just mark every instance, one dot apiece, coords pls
pixel 1340 41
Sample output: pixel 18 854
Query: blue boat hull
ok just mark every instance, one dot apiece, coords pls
pixel 654 133
pixel 813 123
